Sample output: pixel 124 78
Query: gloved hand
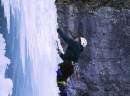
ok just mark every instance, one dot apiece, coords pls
pixel 57 27
pixel 59 52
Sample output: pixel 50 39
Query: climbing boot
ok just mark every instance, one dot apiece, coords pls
pixel 61 84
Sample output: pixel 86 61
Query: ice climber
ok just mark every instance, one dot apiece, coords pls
pixel 70 57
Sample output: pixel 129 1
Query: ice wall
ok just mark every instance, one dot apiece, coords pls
pixel 36 32
pixel 6 84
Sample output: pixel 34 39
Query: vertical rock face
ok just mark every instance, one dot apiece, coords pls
pixel 105 62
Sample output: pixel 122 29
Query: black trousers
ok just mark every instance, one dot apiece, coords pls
pixel 66 69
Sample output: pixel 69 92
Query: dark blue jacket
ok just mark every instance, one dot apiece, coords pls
pixel 73 50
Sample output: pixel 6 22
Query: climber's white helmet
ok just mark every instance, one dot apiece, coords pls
pixel 83 41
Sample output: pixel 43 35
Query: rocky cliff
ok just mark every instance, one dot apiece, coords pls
pixel 105 62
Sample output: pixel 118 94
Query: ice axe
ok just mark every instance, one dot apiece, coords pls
pixel 57 45
pixel 58 49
